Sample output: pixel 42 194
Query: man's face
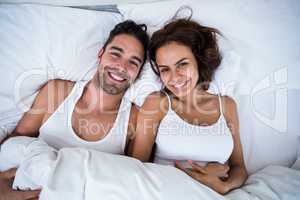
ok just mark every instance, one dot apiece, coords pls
pixel 120 63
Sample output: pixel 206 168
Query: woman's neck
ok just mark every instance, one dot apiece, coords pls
pixel 193 97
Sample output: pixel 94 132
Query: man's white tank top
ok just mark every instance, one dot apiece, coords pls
pixel 58 132
pixel 178 140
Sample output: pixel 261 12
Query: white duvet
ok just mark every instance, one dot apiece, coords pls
pixel 271 183
pixel 77 173
pixel 88 174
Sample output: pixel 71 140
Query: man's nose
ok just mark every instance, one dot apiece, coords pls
pixel 122 66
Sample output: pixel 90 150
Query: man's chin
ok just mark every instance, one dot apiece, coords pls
pixel 114 90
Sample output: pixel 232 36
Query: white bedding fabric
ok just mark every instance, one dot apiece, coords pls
pixel 82 174
pixel 270 183
pixel 87 174
pixel 118 177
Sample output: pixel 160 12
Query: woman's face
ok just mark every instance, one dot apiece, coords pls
pixel 178 68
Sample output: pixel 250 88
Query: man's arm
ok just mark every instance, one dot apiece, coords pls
pixel 32 119
pixel 46 102
pixel 48 99
pixel 29 126
pixel 6 193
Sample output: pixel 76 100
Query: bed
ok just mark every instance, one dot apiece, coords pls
pixel 42 41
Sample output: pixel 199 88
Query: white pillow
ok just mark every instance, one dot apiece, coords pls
pixel 147 82
pixel 225 77
pixel 39 43
pixel 296 165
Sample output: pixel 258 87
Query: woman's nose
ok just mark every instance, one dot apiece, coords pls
pixel 175 77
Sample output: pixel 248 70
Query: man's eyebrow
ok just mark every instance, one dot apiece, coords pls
pixel 137 59
pixel 179 61
pixel 122 51
pixel 117 48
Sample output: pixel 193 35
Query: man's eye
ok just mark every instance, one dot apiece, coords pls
pixel 134 63
pixel 115 55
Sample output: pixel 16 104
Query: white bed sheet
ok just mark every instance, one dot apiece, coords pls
pixel 270 183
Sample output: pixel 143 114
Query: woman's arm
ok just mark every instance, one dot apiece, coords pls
pixel 148 119
pixel 237 173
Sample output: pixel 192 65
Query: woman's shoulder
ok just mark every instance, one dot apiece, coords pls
pixel 229 108
pixel 226 101
pixel 229 101
pixel 228 104
pixel 157 97
pixel 157 101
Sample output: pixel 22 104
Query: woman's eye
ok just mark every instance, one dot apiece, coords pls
pixel 163 70
pixel 182 65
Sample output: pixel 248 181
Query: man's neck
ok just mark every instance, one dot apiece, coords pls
pixel 96 100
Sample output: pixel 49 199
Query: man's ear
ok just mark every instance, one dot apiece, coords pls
pixel 100 53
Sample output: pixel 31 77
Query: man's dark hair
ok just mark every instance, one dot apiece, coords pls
pixel 129 27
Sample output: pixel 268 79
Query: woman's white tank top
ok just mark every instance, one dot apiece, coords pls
pixel 178 140
pixel 58 132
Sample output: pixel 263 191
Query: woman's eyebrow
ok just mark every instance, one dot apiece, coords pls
pixel 179 61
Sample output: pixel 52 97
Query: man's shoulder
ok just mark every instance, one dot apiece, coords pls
pixel 54 92
pixel 58 86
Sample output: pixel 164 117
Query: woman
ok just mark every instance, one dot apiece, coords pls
pixel 191 128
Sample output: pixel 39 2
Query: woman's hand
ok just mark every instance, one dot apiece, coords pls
pixel 7 193
pixel 213 168
pixel 209 179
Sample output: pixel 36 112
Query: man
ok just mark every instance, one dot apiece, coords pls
pixel 91 113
